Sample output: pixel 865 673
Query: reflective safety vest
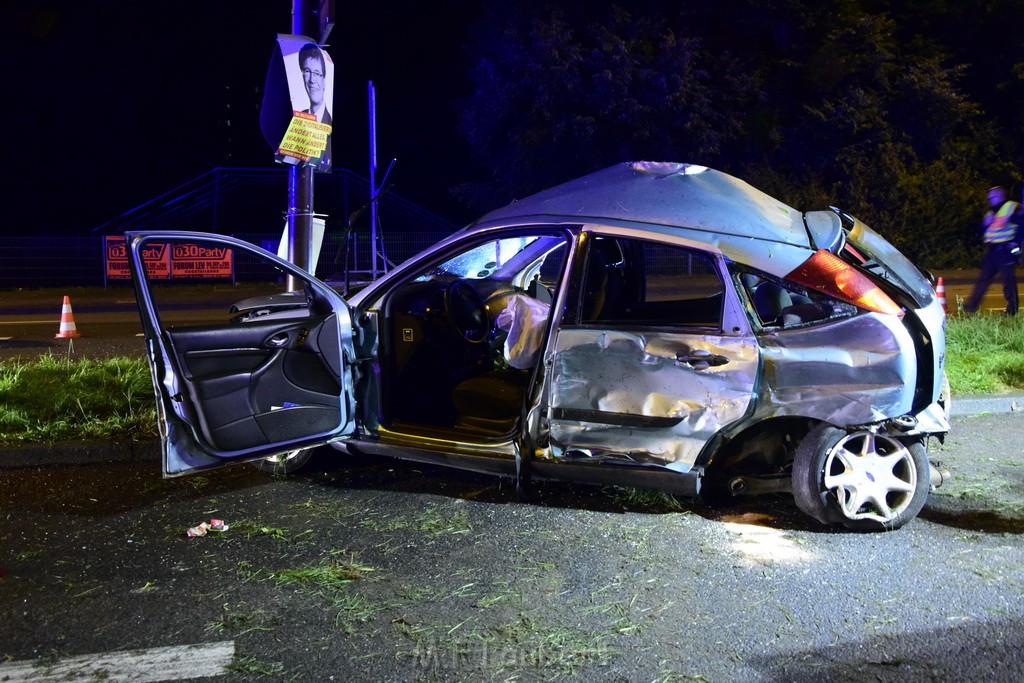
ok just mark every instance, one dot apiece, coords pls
pixel 1001 228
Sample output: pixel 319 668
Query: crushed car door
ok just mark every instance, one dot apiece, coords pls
pixel 239 381
pixel 654 363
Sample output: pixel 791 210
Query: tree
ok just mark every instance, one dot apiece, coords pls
pixel 560 93
pixel 872 106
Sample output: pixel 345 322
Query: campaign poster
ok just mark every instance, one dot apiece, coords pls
pixel 298 103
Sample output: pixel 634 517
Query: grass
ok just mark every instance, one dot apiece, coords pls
pixel 251 665
pixel 985 354
pixel 56 398
pixel 332 574
pixel 431 521
pixel 53 398
pixel 645 500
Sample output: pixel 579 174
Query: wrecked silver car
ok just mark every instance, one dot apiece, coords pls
pixel 657 325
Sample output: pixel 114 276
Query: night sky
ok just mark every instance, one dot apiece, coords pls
pixel 114 102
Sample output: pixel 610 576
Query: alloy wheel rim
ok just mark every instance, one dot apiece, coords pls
pixel 872 476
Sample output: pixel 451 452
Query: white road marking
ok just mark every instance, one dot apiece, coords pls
pixel 176 662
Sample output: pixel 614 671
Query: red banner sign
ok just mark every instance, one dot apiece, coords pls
pixel 169 260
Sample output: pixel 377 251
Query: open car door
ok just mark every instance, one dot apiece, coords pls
pixel 239 382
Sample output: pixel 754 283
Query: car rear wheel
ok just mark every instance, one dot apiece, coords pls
pixel 861 480
pixel 285 463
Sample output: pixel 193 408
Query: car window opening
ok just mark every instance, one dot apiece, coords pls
pixel 786 304
pixel 465 335
pixel 634 282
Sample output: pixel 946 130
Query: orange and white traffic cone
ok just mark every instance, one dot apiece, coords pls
pixel 67 321
pixel 940 293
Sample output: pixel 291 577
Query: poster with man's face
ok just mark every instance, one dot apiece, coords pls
pixel 310 74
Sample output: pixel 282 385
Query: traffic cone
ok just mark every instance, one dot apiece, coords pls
pixel 940 293
pixel 67 321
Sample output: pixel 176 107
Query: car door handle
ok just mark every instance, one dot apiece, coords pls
pixel 279 339
pixel 700 359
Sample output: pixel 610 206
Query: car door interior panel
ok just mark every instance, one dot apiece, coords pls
pixel 259 382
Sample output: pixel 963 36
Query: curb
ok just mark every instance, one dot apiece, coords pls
pixel 982 405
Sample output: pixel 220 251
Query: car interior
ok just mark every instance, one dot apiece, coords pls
pixel 442 355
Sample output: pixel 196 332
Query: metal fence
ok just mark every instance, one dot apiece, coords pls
pixel 36 262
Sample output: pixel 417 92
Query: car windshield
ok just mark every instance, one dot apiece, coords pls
pixel 877 256
pixel 493 258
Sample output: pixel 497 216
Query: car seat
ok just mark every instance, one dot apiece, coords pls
pixel 770 300
pixel 777 306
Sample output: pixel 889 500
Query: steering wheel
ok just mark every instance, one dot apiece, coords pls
pixel 467 312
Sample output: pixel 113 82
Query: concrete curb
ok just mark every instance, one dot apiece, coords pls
pixel 982 405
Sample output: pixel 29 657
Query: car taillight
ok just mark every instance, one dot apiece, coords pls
pixel 829 274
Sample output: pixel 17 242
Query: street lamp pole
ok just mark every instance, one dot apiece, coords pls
pixel 300 178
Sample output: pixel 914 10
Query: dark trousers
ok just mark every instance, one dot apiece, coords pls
pixel 998 261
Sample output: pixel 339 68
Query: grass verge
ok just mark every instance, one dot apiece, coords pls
pixel 985 354
pixel 54 398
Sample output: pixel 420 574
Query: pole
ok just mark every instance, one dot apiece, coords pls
pixel 300 179
pixel 372 97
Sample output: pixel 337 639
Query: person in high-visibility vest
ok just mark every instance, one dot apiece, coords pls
pixel 999 233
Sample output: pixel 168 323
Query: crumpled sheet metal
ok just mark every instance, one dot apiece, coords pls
pixel 870 379
pixel 624 396
pixel 667 194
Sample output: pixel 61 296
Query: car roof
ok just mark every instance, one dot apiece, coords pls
pixel 663 194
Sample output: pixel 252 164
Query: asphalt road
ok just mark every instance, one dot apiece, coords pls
pixel 375 570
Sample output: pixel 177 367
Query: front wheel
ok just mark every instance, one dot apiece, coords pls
pixel 285 463
pixel 861 480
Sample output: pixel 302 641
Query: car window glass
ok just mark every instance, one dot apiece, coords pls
pixel 785 304
pixel 636 282
pixel 480 262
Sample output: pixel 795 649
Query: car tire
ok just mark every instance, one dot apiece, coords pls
pixel 860 480
pixel 285 463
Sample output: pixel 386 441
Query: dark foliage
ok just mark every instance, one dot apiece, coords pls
pixel 901 113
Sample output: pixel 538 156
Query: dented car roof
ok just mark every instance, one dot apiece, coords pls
pixel 674 195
